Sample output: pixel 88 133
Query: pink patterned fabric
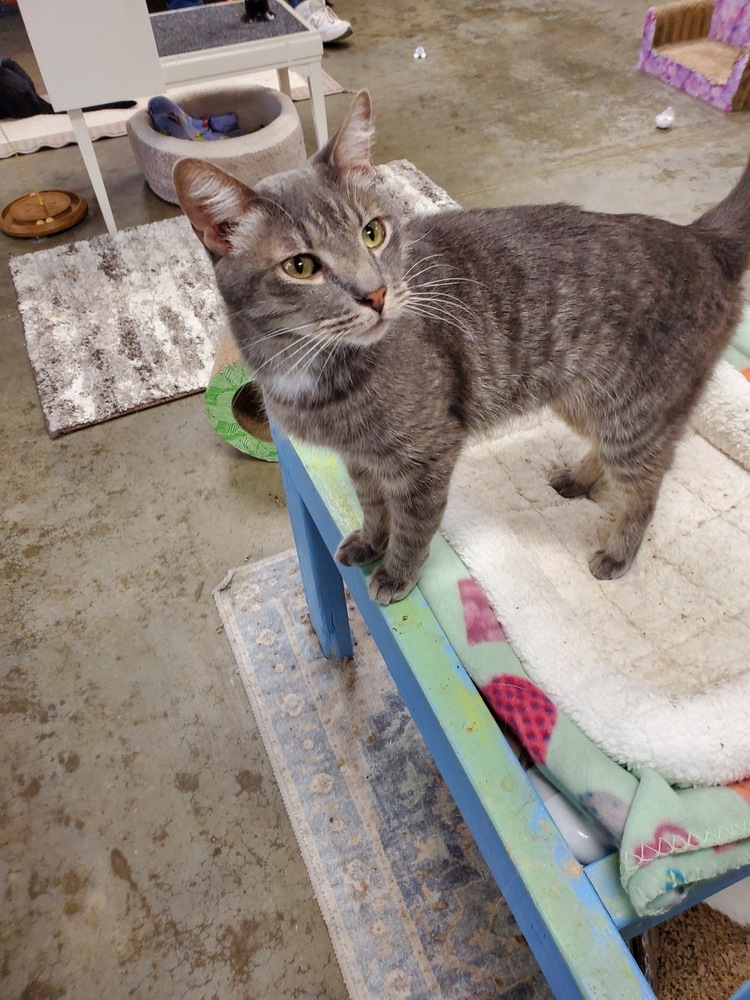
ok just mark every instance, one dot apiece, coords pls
pixel 731 22
pixel 481 622
pixel 526 709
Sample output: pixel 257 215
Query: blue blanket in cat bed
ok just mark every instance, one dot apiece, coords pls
pixel 168 118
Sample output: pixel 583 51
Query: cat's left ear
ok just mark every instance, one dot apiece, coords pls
pixel 349 149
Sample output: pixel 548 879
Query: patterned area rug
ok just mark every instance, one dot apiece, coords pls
pixel 410 905
pixel 116 325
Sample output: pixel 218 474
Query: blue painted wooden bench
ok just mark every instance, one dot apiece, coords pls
pixel 577 920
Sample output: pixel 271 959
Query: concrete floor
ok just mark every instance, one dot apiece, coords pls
pixel 145 850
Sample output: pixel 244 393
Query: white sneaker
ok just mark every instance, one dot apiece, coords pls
pixel 321 17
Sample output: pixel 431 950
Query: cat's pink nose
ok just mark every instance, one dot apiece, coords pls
pixel 376 299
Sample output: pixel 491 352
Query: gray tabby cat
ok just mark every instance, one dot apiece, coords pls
pixel 391 340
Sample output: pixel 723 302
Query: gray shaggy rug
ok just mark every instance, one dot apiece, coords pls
pixel 116 325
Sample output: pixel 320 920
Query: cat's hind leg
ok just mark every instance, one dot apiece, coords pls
pixel 637 494
pixel 580 480
pixel 367 543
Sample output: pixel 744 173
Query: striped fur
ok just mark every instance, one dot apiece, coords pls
pixel 614 321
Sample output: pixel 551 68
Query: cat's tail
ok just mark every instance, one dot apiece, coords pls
pixel 731 220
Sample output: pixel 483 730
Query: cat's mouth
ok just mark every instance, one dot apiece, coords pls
pixel 379 327
pixel 374 332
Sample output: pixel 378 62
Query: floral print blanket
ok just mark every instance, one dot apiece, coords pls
pixel 669 838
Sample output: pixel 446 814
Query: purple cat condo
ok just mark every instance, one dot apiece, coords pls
pixel 702 48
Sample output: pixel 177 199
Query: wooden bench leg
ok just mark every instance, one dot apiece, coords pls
pixel 324 588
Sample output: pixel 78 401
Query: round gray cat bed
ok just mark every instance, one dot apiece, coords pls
pixel 277 144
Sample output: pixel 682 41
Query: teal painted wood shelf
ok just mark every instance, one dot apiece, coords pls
pixel 577 920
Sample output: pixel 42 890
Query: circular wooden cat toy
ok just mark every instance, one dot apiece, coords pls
pixel 42 213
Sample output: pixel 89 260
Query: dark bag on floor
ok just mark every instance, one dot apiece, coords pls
pixel 19 99
pixel 18 96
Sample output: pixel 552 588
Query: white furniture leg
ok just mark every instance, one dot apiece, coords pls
pixel 285 86
pixel 314 74
pixel 86 147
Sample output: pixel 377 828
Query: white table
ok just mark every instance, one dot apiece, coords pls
pixel 99 51
pixel 301 50
pixel 92 52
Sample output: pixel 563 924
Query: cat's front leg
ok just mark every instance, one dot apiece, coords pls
pixel 368 542
pixel 415 514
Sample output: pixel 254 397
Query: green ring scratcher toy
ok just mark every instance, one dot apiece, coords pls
pixel 234 405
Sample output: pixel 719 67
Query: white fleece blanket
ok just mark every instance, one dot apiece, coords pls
pixel 654 667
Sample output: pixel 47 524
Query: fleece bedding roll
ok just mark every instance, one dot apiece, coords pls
pixel 654 668
pixel 234 404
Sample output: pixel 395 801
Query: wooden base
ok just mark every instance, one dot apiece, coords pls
pixel 42 213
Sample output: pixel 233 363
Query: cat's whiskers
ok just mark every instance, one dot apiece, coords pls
pixel 470 322
pixel 282 331
pixel 296 371
pixel 440 289
pixel 307 359
pixel 445 308
pixel 413 243
pixel 243 314
pixel 445 297
pixel 444 286
pixel 331 354
pixel 441 263
pixel 439 312
pixel 412 280
pixel 329 342
pixel 325 333
pixel 333 325
pixel 430 256
pixel 452 281
pixel 349 325
pixel 321 338
pixel 408 276
pixel 298 345
pixel 422 310
pixel 316 332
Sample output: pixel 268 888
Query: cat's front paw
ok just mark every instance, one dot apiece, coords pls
pixel 358 550
pixel 386 587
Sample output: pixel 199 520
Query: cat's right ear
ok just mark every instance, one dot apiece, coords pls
pixel 349 149
pixel 212 200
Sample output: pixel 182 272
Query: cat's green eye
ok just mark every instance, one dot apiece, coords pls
pixel 373 233
pixel 302 265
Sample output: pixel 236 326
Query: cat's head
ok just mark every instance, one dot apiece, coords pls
pixel 311 254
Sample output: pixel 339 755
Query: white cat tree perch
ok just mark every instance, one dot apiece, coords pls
pixel 93 52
